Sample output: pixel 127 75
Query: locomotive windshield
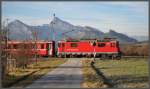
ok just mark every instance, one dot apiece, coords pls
pixel 15 46
pixel 58 44
pixel 61 45
pixel 42 46
pixel 101 44
pixel 74 44
pixel 112 44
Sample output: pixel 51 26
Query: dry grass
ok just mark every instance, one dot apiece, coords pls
pixel 33 72
pixel 126 73
pixel 90 78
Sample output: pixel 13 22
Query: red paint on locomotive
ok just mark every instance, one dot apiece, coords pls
pixel 109 47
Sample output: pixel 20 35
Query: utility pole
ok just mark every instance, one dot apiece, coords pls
pixel 35 45
pixel 4 53
pixel 94 53
pixel 52 23
pixel 94 50
pixel 7 30
pixel 7 39
pixel 1 39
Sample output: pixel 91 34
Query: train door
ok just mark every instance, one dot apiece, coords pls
pixel 48 49
pixel 63 47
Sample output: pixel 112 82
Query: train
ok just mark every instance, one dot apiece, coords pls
pixel 105 48
pixel 99 48
pixel 40 48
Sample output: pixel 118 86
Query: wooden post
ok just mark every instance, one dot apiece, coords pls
pixel 35 37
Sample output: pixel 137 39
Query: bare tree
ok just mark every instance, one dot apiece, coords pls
pixel 34 35
pixel 135 50
pixel 3 52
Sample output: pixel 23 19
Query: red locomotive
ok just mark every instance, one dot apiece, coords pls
pixel 43 48
pixel 106 48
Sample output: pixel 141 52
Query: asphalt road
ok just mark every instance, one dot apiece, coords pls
pixel 67 75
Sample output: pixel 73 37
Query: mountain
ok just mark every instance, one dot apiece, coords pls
pixel 18 30
pixel 57 27
pixel 43 32
pixel 78 32
pixel 141 38
pixel 122 38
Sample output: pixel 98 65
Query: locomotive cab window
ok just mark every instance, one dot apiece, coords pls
pixel 48 46
pixel 25 46
pixel 9 46
pixel 32 46
pixel 117 44
pixel 112 44
pixel 15 46
pixel 101 44
pixel 63 44
pixel 58 44
pixel 74 44
pixel 42 46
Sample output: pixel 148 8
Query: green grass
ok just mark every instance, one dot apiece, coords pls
pixel 125 73
pixel 33 72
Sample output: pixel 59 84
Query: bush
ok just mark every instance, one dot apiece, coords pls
pixel 135 49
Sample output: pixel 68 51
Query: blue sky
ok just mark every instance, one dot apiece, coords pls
pixel 130 18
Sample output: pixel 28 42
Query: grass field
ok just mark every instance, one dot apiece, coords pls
pixel 124 73
pixel 90 78
pixel 33 72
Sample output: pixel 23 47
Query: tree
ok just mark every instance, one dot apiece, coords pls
pixel 3 52
pixel 23 54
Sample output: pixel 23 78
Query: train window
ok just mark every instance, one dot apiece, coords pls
pixel 9 46
pixel 101 44
pixel 63 44
pixel 58 44
pixel 42 46
pixel 94 44
pixel 48 46
pixel 25 46
pixel 74 44
pixel 112 44
pixel 117 44
pixel 15 46
pixel 31 46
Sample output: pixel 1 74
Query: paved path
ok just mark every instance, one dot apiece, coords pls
pixel 67 75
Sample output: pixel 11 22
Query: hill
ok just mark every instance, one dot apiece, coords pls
pixel 20 30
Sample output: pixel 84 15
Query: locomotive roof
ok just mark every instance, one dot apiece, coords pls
pixel 98 40
pixel 39 41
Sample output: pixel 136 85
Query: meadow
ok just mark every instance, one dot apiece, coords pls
pixel 124 73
